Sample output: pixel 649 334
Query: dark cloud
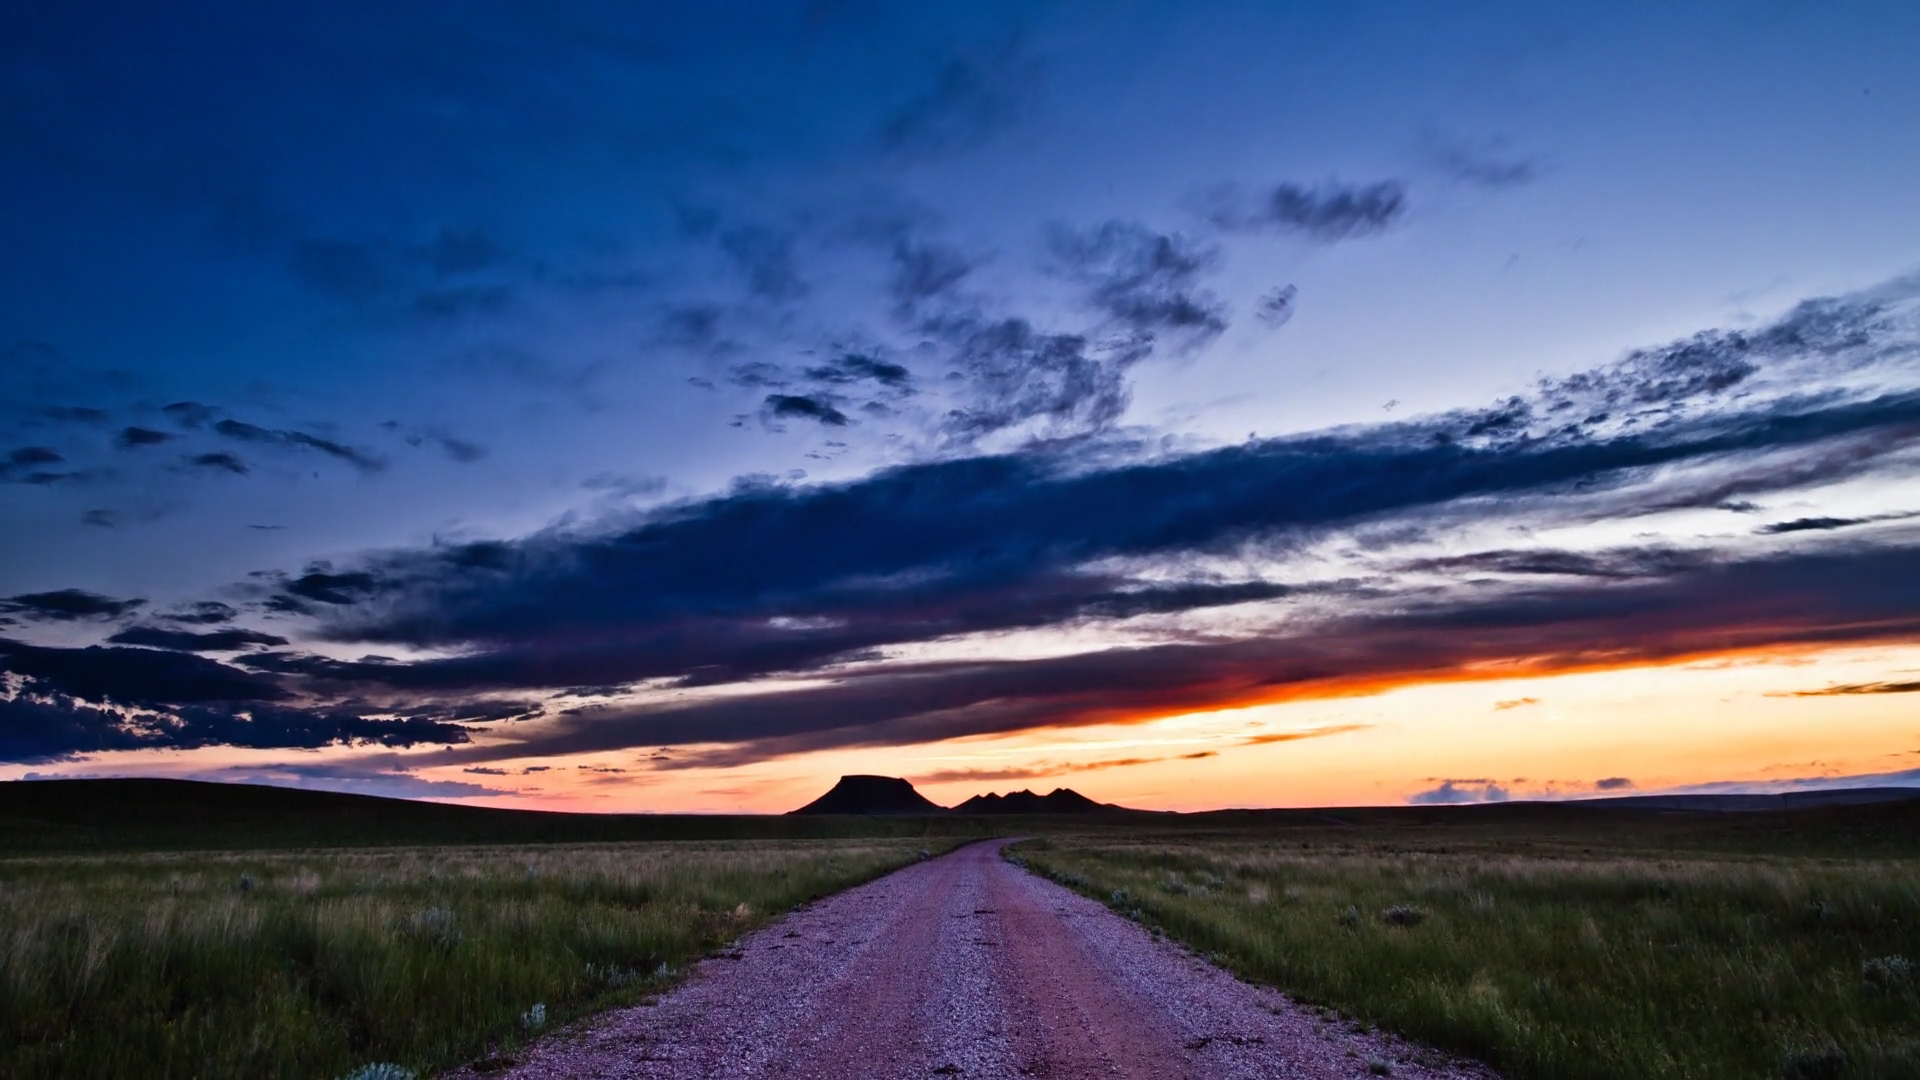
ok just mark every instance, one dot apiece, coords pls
pixel 1614 783
pixel 1786 601
pixel 1328 213
pixel 1275 307
pixel 245 432
pixel 1017 375
pixel 74 414
pixel 1143 282
pixel 202 613
pixel 803 407
pixel 135 676
pixel 188 641
pixel 1850 689
pixel 1296 736
pixel 1453 792
pixel 134 437
pixel 717 589
pixel 37 726
pixel 854 368
pixel 34 455
pixel 100 519
pixel 190 414
pixel 67 605
pixel 393 783
pixel 976 94
pixel 222 461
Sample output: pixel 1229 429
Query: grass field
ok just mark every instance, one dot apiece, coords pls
pixel 315 963
pixel 1553 945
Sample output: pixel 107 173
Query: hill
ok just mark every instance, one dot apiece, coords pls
pixel 869 795
pixel 132 814
pixel 1057 801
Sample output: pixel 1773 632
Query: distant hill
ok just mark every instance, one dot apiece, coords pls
pixel 1737 802
pixel 871 795
pixel 154 814
pixel 1057 801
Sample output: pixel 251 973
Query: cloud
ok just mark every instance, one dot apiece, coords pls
pixel 1487 165
pixel 1275 308
pixel 38 726
pixel 132 438
pixel 1106 537
pixel 1453 792
pixel 187 641
pixel 67 605
pixel 854 368
pixel 1143 282
pixel 201 613
pixel 222 461
pixel 394 783
pixel 245 432
pixel 803 407
pixel 1851 689
pixel 1040 771
pixel 765 256
pixel 1295 736
pixel 1514 703
pixel 976 94
pixel 1326 214
pixel 135 676
pixel 1614 783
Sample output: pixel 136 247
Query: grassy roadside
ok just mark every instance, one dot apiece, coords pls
pixel 314 963
pixel 1599 958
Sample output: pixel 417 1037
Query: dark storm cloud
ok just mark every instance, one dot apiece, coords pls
pixel 188 641
pixel 975 95
pixel 67 605
pixel 1326 214
pixel 1142 281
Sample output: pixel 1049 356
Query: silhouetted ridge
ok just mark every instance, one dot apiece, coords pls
pixel 1058 801
pixel 871 795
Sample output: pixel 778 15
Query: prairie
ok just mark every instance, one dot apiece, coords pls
pixel 1552 945
pixel 316 963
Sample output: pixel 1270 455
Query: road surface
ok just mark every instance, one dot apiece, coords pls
pixel 967 966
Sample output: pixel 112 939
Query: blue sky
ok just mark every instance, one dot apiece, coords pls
pixel 757 350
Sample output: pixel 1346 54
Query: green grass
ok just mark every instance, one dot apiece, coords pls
pixel 310 963
pixel 1554 944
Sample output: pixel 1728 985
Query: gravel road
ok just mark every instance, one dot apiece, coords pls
pixel 967 966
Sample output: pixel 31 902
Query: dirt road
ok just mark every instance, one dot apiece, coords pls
pixel 966 966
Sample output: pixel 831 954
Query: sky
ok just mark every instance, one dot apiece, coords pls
pixel 674 407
